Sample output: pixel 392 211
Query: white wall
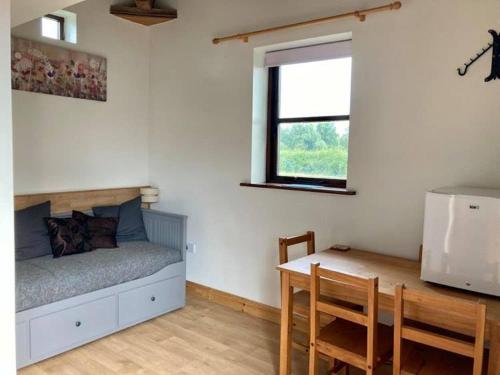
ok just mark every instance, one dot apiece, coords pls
pixel 26 10
pixel 73 144
pixel 416 125
pixel 7 322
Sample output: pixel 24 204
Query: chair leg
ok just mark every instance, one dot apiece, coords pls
pixel 331 363
pixel 313 361
pixel 338 366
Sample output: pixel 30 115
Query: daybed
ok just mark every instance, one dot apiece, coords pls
pixel 66 302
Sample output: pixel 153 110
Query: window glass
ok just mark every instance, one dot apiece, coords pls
pixel 51 28
pixel 313 149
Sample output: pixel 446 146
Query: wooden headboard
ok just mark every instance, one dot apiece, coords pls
pixel 78 200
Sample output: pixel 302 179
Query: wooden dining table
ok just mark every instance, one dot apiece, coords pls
pixel 391 271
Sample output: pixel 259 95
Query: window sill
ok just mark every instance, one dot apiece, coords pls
pixel 296 187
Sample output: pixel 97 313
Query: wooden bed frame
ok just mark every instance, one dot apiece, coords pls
pixel 51 329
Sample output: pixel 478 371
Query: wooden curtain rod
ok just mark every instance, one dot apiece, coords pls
pixel 360 14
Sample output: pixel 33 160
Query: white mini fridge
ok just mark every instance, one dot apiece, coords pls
pixel 462 239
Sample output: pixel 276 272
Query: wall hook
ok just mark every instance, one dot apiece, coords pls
pixel 495 61
pixel 463 70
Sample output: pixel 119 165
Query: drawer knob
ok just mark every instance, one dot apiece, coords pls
pixel 78 324
pixel 153 299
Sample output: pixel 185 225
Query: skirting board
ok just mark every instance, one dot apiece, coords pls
pixel 237 303
pixel 244 305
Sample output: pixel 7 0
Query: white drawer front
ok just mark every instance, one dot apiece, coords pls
pixel 62 330
pixel 151 300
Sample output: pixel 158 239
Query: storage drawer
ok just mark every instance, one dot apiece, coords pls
pixel 67 328
pixel 151 300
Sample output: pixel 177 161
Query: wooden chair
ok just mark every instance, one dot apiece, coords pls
pixel 300 298
pixel 353 338
pixel 285 242
pixel 432 350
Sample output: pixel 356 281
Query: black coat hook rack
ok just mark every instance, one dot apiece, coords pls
pixel 495 66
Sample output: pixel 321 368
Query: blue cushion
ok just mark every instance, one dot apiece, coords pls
pixel 107 211
pixel 130 222
pixel 32 238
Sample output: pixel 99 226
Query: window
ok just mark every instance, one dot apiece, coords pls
pixel 53 27
pixel 309 112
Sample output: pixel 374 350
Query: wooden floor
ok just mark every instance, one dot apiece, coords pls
pixel 203 338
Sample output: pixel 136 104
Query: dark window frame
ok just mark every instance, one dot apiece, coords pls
pixel 272 138
pixel 60 20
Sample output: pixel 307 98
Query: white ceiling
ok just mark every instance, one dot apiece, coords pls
pixel 27 10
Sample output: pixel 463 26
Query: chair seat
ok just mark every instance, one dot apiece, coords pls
pixel 352 337
pixel 419 359
pixel 302 300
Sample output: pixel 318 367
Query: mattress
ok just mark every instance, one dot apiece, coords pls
pixel 44 280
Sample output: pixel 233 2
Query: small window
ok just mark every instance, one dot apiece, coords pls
pixel 309 113
pixel 53 27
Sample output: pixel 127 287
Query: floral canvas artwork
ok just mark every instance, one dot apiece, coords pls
pixel 48 69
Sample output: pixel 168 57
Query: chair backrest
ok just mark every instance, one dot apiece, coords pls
pixel 369 320
pixel 284 242
pixel 474 312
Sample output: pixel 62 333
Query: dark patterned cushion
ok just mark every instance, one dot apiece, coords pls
pixel 67 236
pixel 101 230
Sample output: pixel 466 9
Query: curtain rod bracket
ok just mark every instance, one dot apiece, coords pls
pixel 361 17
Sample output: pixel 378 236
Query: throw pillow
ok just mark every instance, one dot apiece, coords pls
pixel 31 235
pixel 67 237
pixel 130 222
pixel 101 230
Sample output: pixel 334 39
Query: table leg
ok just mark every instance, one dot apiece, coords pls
pixel 494 362
pixel 286 324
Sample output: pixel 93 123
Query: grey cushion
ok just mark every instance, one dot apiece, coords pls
pixel 107 211
pixel 44 280
pixel 130 224
pixel 32 239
